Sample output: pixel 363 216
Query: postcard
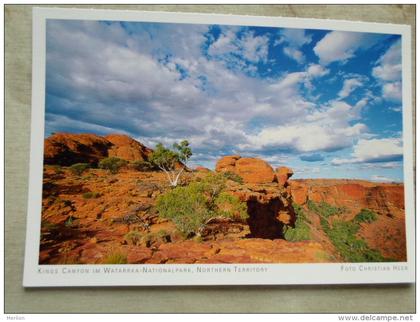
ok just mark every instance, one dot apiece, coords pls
pixel 203 149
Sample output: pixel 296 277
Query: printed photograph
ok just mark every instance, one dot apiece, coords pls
pixel 171 143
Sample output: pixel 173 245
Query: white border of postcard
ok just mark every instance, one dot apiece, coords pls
pixel 36 275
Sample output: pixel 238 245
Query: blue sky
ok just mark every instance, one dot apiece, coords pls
pixel 325 103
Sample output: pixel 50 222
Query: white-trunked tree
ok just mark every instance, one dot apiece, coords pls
pixel 171 161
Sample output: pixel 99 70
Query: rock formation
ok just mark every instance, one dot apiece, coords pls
pixel 127 148
pixel 227 163
pixel 252 170
pixel 283 174
pixel 386 233
pixel 67 148
pixel 99 216
pixel 380 197
pixel 269 209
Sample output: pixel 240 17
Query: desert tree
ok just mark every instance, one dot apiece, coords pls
pixel 171 161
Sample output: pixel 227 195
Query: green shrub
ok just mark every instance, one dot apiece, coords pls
pixel 190 207
pixel 91 195
pixel 212 184
pixel 142 165
pixel 113 164
pixel 79 168
pixel 301 231
pixel 233 176
pixel 186 206
pixel 133 237
pixel 162 234
pixel 324 209
pixel 343 235
pixel 230 206
pixel 116 257
pixel 324 224
pixel 366 215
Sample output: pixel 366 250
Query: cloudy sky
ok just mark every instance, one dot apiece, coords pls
pixel 326 103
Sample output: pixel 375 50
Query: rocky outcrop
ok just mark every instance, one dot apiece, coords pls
pixel 386 233
pixel 380 197
pixel 127 148
pixel 269 209
pixel 238 251
pixel 299 192
pixel 102 217
pixel 80 229
pixel 269 205
pixel 227 163
pixel 66 148
pixel 283 174
pixel 253 250
pixel 252 170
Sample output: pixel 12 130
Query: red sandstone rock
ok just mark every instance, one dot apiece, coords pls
pixel 127 148
pixel 138 255
pixel 254 170
pixel 202 169
pixel 67 148
pixel 299 192
pixel 283 174
pixel 285 217
pixel 99 227
pixel 387 232
pixel 352 194
pixel 265 203
pixel 227 163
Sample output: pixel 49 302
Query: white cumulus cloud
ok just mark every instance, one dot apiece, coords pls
pixel 231 46
pixel 294 53
pixel 254 48
pixel 342 45
pixel 327 129
pixel 392 91
pixel 315 70
pixel 293 40
pixel 388 72
pixel 389 65
pixel 374 150
pixel 349 86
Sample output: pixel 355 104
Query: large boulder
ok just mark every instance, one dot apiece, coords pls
pixel 283 174
pixel 252 170
pixel 127 148
pixel 299 192
pixel 227 163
